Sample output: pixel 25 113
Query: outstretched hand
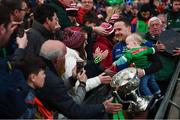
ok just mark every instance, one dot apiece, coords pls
pixel 100 53
pixel 105 79
pixel 112 107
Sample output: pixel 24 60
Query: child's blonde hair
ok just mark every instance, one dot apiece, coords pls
pixel 136 37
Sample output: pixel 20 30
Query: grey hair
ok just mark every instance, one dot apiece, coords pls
pixel 163 15
pixel 153 19
pixel 50 54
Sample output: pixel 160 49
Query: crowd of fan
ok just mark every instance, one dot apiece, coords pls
pixel 54 52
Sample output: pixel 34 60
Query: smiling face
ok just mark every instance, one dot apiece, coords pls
pixel 121 31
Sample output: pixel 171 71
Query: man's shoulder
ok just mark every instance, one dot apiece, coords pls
pixel 32 31
pixel 52 78
pixel 57 6
pixel 33 34
pixel 119 45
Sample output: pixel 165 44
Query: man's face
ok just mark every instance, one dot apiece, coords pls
pixel 121 31
pixel 5 33
pixel 67 3
pixel 87 4
pixel 38 79
pixel 164 21
pixel 176 6
pixel 54 22
pixel 40 2
pixel 145 15
pixel 155 28
pixel 18 15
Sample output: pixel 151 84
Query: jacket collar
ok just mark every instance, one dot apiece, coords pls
pixel 151 38
pixel 39 27
pixel 50 65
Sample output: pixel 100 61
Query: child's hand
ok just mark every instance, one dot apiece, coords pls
pixel 140 72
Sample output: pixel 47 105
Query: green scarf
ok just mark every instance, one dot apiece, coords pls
pixel 119 115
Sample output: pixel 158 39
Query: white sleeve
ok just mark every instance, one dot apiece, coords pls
pixel 91 83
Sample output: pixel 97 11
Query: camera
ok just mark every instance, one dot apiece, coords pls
pixel 80 66
pixel 20 30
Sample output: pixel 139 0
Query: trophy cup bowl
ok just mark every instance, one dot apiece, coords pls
pixel 126 83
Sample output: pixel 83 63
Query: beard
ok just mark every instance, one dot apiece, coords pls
pixel 119 39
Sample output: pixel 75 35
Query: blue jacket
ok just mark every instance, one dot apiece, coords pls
pixel 117 52
pixel 13 90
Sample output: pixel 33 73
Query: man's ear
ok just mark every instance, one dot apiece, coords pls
pixel 15 12
pixel 55 60
pixel 129 28
pixel 32 77
pixel 48 20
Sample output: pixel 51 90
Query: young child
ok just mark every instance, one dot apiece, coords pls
pixel 138 55
pixel 33 69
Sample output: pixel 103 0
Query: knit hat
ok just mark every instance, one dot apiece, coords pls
pixel 108 27
pixel 115 17
pixel 73 37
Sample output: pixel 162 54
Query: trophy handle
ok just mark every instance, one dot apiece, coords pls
pixel 121 100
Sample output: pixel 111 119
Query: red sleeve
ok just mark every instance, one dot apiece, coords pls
pixel 107 62
pixel 134 21
pixel 80 15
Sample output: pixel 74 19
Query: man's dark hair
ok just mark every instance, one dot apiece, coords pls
pixel 4 15
pixel 126 21
pixel 31 64
pixel 12 4
pixel 41 13
pixel 90 16
pixel 144 8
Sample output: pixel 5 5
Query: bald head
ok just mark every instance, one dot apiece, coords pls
pixel 52 49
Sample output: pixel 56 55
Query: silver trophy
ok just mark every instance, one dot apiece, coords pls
pixel 126 84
